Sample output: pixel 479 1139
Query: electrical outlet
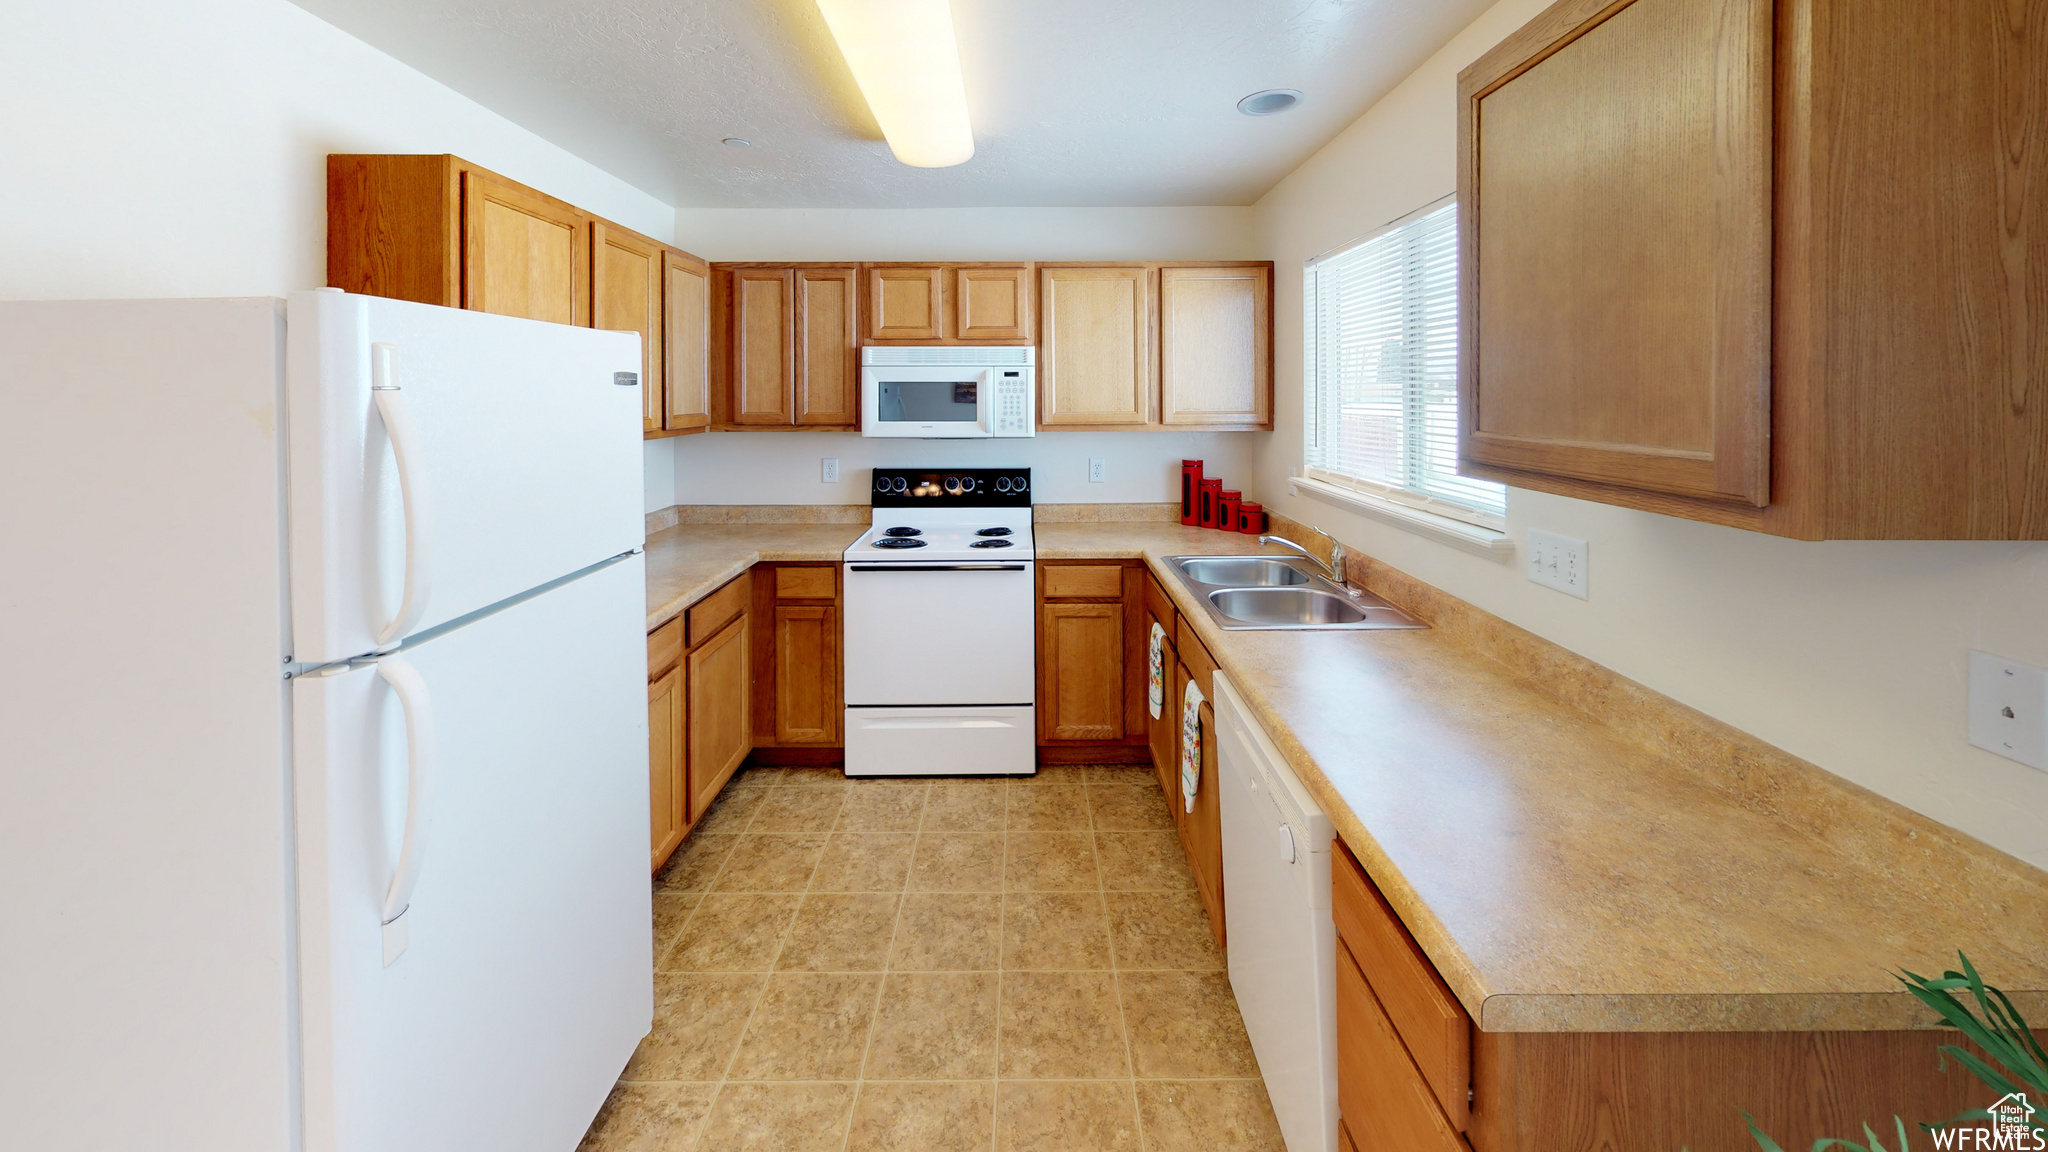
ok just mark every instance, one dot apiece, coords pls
pixel 1557 562
pixel 1098 469
pixel 2009 709
pixel 831 469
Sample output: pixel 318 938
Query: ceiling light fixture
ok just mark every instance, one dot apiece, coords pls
pixel 1270 102
pixel 904 58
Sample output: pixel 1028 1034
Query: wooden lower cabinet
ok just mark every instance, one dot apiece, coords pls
pixel 720 708
pixel 1091 661
pixel 1414 1073
pixel 798 680
pixel 1201 827
pixel 667 807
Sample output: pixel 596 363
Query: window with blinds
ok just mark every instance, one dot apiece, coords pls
pixel 1382 356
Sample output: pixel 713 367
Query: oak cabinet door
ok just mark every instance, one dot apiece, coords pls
pixel 763 321
pixel 807 708
pixel 1081 672
pixel 720 713
pixel 906 302
pixel 1163 732
pixel 1615 208
pixel 523 254
pixel 1216 346
pixel 1384 1101
pixel 686 308
pixel 1095 346
pixel 666 809
pixel 827 364
pixel 992 304
pixel 625 296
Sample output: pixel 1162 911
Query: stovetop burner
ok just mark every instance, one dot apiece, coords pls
pixel 902 531
pixel 899 542
pixel 992 532
pixel 991 544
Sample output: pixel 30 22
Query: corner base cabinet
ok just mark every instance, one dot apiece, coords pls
pixel 1779 265
pixel 1414 1073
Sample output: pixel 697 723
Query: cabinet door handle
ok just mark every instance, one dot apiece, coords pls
pixel 412 488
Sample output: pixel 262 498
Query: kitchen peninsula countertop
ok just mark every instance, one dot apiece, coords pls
pixel 1571 850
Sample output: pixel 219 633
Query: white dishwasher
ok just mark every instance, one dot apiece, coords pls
pixel 1283 943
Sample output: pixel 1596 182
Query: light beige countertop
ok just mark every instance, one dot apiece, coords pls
pixel 1573 851
pixel 1568 868
pixel 688 562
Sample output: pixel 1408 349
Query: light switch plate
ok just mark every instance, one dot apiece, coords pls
pixel 1098 469
pixel 831 469
pixel 1558 562
pixel 2009 709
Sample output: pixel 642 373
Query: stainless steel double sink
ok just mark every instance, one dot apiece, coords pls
pixel 1281 592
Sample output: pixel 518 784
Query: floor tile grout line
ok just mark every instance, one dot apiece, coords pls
pixel 881 981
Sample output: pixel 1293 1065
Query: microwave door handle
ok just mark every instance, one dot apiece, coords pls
pixel 985 401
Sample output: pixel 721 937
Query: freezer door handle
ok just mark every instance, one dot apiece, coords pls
pixel 413 698
pixel 412 490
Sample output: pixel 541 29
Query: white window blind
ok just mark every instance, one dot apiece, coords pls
pixel 1382 356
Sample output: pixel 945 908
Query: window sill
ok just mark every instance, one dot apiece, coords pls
pixel 1496 546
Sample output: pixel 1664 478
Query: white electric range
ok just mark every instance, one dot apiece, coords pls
pixel 941 629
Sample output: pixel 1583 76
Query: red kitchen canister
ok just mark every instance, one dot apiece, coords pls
pixel 1251 518
pixel 1212 488
pixel 1227 502
pixel 1190 492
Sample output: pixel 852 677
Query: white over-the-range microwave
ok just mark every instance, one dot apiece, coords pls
pixel 951 392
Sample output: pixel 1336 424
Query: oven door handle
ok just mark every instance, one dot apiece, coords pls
pixel 938 567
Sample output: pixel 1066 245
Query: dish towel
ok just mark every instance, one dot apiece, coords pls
pixel 1190 745
pixel 1156 695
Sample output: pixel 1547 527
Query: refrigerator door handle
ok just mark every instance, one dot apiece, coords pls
pixel 411 688
pixel 412 489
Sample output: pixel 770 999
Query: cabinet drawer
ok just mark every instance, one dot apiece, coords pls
pixel 1097 581
pixel 805 583
pixel 713 612
pixel 1432 1025
pixel 1195 655
pixel 664 645
pixel 1384 1102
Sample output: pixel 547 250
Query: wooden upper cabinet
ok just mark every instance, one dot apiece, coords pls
pixel 524 254
pixel 763 357
pixel 686 309
pixel 1713 266
pixel 827 363
pixel 1618 250
pixel 906 302
pixel 625 296
pixel 1216 346
pixel 1095 342
pixel 992 303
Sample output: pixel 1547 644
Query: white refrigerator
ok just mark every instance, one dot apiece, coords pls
pixel 323 792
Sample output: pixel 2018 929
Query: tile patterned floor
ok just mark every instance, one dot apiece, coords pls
pixel 985 965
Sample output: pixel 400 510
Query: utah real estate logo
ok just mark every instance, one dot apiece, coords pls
pixel 2012 1126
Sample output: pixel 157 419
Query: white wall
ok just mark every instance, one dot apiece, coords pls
pixel 1851 655
pixel 783 467
pixel 180 150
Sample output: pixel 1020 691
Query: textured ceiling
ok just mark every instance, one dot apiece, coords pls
pixel 1074 102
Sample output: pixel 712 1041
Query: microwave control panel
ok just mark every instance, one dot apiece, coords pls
pixel 1011 403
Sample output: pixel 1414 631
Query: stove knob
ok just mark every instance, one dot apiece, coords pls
pixel 898 485
pixel 1020 484
pixel 967 483
pixel 881 483
pixel 1003 485
pixel 952 485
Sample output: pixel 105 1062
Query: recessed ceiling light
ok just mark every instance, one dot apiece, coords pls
pixel 736 142
pixel 1269 102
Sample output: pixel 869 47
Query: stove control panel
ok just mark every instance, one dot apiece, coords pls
pixel 956 488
